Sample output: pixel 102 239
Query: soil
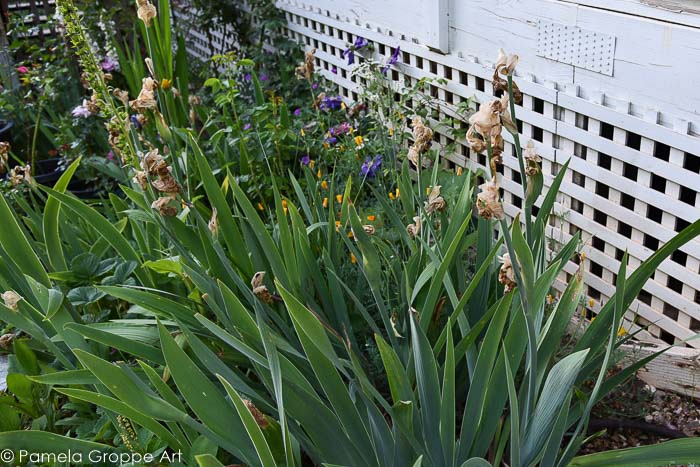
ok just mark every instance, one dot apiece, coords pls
pixel 663 415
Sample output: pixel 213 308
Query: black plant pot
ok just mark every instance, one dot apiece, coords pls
pixel 47 172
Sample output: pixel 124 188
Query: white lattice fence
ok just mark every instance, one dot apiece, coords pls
pixel 633 179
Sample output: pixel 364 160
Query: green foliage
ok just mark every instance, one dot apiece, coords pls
pixel 280 312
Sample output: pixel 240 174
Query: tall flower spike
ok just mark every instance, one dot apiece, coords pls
pixel 146 12
pixel 505 66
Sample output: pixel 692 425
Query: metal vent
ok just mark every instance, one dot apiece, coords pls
pixel 579 47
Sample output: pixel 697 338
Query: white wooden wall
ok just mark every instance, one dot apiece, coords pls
pixel 632 132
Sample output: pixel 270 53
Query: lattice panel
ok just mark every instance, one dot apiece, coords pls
pixel 632 183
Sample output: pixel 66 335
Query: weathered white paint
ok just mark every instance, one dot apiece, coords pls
pixel 399 17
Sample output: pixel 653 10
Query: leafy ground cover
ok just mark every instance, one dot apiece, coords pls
pixel 285 277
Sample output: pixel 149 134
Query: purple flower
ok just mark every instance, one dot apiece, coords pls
pixel 110 155
pixel 109 64
pixel 134 119
pixel 263 77
pixel 330 103
pixel 247 77
pixel 81 111
pixel 305 159
pixel 314 86
pixel 246 126
pixel 370 166
pixel 360 42
pixel 334 70
pixel 392 60
pixel 339 129
pixel 297 111
pixel 331 140
pixel 349 54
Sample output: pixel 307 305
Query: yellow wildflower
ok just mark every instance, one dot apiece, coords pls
pixel 260 207
pixel 591 302
pixel 458 170
pixel 398 193
pixel 353 260
pixel 621 332
pixel 312 163
pixel 550 299
pixel 339 198
pixel 391 132
pixel 337 226
pixel 302 132
pixel 166 83
pixel 391 196
pixel 325 203
pixel 318 174
pixel 371 218
pixel 359 141
pixel 324 185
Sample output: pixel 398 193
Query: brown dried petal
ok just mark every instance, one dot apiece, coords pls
pixel 488 202
pixel 163 206
pixel 11 299
pixel 167 184
pixel 146 12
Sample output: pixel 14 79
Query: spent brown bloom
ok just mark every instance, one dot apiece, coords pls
pixel 167 184
pixel 488 202
pixel 422 138
pixel 257 414
pixel 214 223
pixel 11 299
pixel 414 229
pixel 164 206
pixel 505 66
pixel 154 164
pixel 122 96
pixel 4 153
pixel 146 99
pixel 20 174
pixel 435 200
pixel 259 289
pixel 141 179
pixel 6 340
pixel 506 274
pixel 146 11
pixel 306 69
pixel 532 160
